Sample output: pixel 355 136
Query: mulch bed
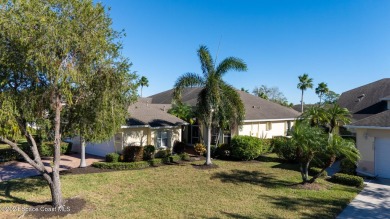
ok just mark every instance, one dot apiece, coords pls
pixel 71 206
pixel 85 170
pixel 310 186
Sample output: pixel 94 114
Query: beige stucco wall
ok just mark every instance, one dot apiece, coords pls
pixel 259 129
pixel 136 136
pixel 365 141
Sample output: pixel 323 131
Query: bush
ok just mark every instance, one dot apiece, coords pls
pixel 149 152
pixel 112 157
pixel 285 149
pixel 179 147
pixel 267 145
pixel 347 167
pixel 223 151
pixel 200 149
pixel 348 180
pixel 213 149
pixel 246 147
pixel 8 154
pixel 135 165
pixel 46 149
pixel 133 153
pixel 314 171
pixel 163 153
pixel 185 157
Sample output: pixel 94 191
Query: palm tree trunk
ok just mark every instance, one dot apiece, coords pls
pixel 141 90
pixel 82 159
pixel 302 102
pixel 208 157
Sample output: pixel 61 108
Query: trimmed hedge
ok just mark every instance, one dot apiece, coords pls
pixel 314 171
pixel 136 165
pixel 112 157
pixel 348 180
pixel 347 167
pixel 133 153
pixel 283 147
pixel 149 151
pixel 46 149
pixel 246 147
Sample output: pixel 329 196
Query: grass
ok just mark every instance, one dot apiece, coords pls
pixel 257 189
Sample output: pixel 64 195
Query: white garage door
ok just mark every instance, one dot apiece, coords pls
pixel 382 160
pixel 100 149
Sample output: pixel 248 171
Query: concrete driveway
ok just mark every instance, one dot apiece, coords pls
pixel 15 169
pixel 372 202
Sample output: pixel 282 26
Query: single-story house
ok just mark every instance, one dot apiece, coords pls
pixel 149 124
pixel 370 108
pixel 263 118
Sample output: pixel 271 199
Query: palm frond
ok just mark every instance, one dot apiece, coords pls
pixel 184 81
pixel 230 63
pixel 206 60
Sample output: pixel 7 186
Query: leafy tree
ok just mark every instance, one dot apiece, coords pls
pixel 143 82
pixel 245 90
pixel 337 147
pixel 217 97
pixel 309 142
pixel 304 83
pixel 61 69
pixel 337 116
pixel 271 93
pixel 331 97
pixel 183 111
pixel 321 90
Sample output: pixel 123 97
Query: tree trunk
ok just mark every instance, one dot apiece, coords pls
pixel 329 164
pixel 208 157
pixel 55 187
pixel 302 102
pixel 83 163
pixel 141 90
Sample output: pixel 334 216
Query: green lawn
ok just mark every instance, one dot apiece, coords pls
pixel 234 190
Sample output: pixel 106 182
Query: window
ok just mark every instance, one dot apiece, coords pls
pixel 269 126
pixel 162 139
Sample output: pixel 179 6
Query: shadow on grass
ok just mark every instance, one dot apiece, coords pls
pixel 287 166
pixel 251 177
pixel 23 185
pixel 326 208
pixel 263 158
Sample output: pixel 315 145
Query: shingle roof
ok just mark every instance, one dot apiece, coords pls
pixel 143 113
pixel 378 120
pixel 366 100
pixel 256 108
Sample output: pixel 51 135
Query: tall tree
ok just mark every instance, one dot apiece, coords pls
pixel 304 83
pixel 331 97
pixel 143 82
pixel 57 58
pixel 321 90
pixel 271 93
pixel 217 97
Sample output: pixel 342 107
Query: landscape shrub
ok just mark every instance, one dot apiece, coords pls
pixel 347 167
pixel 314 171
pixel 213 149
pixel 185 157
pixel 112 157
pixel 8 154
pixel 223 151
pixel 149 151
pixel 133 153
pixel 348 180
pixel 46 149
pixel 245 147
pixel 200 149
pixel 163 153
pixel 267 145
pixel 179 147
pixel 285 149
pixel 138 164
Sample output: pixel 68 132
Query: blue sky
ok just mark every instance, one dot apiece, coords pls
pixel 342 43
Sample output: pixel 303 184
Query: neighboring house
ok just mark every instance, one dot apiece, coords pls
pixel 370 108
pixel 263 118
pixel 149 124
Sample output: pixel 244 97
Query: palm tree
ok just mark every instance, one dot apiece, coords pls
pixel 315 116
pixel 304 83
pixel 336 117
pixel 143 82
pixel 321 90
pixel 217 97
